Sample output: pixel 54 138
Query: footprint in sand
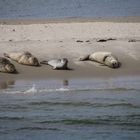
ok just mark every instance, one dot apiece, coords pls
pixel 80 41
pixel 133 40
pixel 105 40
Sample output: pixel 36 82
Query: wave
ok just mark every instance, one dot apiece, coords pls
pixel 36 128
pixel 79 104
pixel 8 118
pixel 132 120
pixel 29 128
pixel 43 104
pixel 33 89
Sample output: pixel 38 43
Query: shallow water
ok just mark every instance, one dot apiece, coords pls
pixel 49 9
pixel 84 109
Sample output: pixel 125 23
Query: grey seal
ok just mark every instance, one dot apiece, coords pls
pixel 6 66
pixel 57 64
pixel 106 58
pixel 25 58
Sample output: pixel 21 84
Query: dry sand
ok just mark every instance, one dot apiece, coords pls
pixel 48 40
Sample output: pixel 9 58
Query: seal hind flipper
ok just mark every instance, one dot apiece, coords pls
pixel 84 58
pixel 44 62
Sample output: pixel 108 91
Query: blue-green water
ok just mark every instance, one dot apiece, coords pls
pixel 75 109
pixel 57 9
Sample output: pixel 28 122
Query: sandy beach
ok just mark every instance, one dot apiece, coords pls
pixel 72 39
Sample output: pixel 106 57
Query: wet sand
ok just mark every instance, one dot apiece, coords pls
pixel 72 39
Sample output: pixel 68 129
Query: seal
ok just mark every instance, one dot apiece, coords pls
pixel 106 58
pixel 25 58
pixel 6 66
pixel 57 64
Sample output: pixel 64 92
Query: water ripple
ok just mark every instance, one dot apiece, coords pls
pixel 129 105
pixel 130 120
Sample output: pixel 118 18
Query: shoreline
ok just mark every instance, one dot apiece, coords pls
pixel 72 40
pixel 126 19
pixel 82 70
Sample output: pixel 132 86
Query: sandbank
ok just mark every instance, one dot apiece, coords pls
pixel 71 39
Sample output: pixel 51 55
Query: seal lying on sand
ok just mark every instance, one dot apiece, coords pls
pixel 24 58
pixel 6 66
pixel 57 64
pixel 105 58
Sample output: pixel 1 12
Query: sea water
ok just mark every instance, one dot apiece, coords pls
pixel 74 109
pixel 57 9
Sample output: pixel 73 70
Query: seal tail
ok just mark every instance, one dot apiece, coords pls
pixel 44 62
pixel 6 55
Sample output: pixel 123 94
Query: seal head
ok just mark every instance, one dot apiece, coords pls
pixel 111 62
pixel 6 66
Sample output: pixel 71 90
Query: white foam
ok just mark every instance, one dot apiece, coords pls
pixel 54 90
pixel 31 90
pixel 62 89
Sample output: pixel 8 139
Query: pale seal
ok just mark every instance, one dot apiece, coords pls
pixel 106 58
pixel 57 64
pixel 6 66
pixel 24 58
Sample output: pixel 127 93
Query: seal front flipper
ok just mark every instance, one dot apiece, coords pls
pixel 6 55
pixel 54 68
